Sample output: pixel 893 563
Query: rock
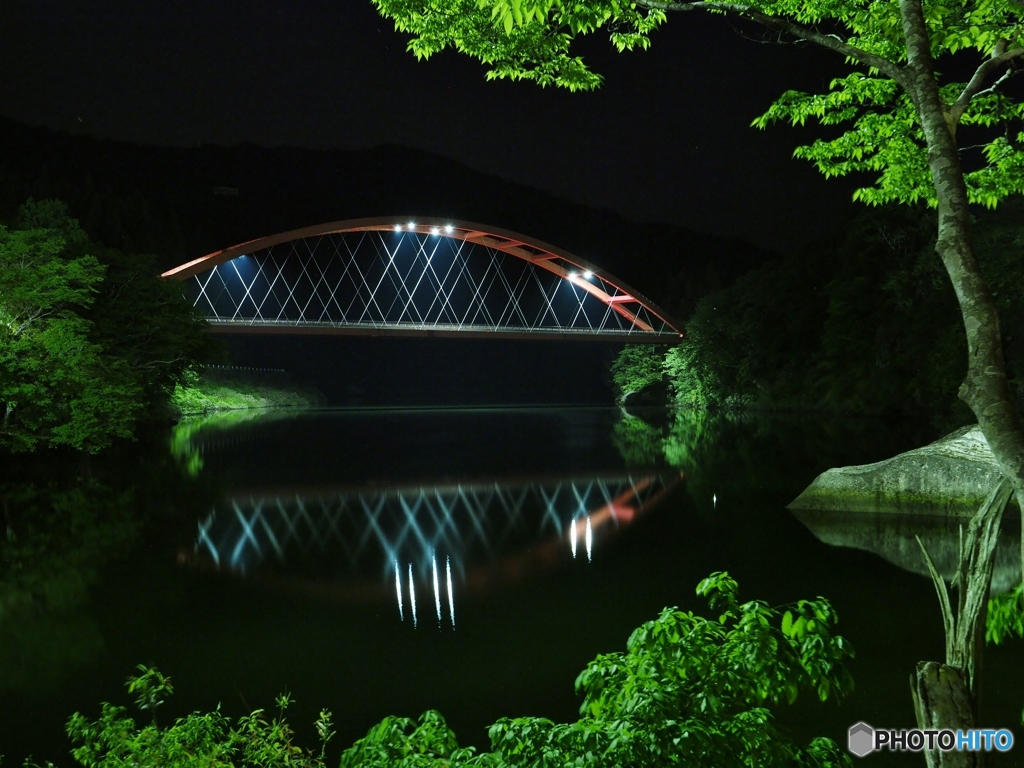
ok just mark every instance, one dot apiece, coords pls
pixel 950 477
pixel 654 395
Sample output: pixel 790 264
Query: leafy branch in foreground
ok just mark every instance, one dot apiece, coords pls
pixel 208 740
pixel 1005 616
pixel 688 690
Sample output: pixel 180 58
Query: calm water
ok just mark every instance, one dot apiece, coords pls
pixel 471 561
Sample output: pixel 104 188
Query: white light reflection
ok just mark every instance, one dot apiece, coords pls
pixel 451 600
pixel 437 592
pixel 398 591
pixel 572 535
pixel 714 500
pixel 590 538
pixel 412 596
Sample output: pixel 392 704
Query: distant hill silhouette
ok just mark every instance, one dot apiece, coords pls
pixel 180 203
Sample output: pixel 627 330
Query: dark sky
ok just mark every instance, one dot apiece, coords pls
pixel 665 139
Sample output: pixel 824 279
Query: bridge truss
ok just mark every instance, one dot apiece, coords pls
pixel 419 277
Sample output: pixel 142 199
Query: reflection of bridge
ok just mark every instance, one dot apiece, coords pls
pixel 420 277
pixel 427 535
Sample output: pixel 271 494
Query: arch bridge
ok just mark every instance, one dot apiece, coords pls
pixel 416 277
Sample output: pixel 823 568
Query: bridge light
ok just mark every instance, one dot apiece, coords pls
pixel 435 231
pixel 412 226
pixel 398 227
pixel 448 228
pixel 588 274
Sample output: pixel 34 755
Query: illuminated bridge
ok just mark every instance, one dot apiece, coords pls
pixel 420 542
pixel 416 277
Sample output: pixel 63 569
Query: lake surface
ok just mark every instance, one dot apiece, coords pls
pixel 378 562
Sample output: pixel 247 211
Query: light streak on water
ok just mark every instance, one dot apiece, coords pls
pixel 437 592
pixel 590 538
pixel 714 500
pixel 398 591
pixel 412 596
pixel 451 600
pixel 572 538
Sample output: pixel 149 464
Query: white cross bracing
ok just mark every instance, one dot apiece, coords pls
pixel 383 534
pixel 410 281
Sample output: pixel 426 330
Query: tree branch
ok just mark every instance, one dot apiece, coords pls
pixel 832 42
pixel 974 87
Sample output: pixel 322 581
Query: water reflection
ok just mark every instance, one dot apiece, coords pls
pixel 752 451
pixel 894 538
pixel 474 535
pixel 64 520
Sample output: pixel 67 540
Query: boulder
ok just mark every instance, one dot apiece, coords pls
pixel 950 477
pixel 656 394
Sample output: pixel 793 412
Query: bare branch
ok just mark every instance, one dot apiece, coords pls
pixel 948 620
pixel 1007 75
pixel 974 87
pixel 799 31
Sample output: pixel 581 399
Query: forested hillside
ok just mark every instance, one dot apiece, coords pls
pixel 863 322
pixel 180 203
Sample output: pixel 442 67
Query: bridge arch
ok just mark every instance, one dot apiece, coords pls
pixel 416 277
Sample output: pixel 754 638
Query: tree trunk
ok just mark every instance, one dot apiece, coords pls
pixel 943 701
pixel 985 388
pixel 944 695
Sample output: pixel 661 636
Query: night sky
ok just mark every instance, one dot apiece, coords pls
pixel 666 139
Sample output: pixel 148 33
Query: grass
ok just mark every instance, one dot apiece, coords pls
pixel 223 392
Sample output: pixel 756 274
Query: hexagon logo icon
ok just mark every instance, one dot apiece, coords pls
pixel 861 739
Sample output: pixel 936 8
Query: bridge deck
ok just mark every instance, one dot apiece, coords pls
pixel 433 330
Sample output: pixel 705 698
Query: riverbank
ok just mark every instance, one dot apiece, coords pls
pixel 226 389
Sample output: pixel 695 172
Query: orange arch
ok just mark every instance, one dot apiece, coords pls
pixel 566 265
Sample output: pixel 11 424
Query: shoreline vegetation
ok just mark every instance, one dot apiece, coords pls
pixel 230 389
pixel 863 323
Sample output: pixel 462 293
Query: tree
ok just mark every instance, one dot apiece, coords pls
pixel 145 322
pixel 637 367
pixel 906 120
pixel 54 381
pixel 91 339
